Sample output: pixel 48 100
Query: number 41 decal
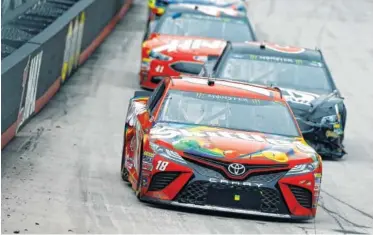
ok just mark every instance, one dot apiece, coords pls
pixel 161 165
pixel 159 68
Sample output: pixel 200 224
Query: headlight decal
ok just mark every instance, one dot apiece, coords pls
pixel 167 153
pixel 303 168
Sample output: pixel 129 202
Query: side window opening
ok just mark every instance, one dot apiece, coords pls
pixel 157 96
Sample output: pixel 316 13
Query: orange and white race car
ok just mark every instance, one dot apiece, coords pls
pixel 182 39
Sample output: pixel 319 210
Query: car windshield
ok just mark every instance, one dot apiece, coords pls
pixel 196 25
pixel 230 112
pixel 302 75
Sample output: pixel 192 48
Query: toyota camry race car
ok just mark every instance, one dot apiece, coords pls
pixel 305 80
pixel 219 146
pixel 185 36
pixel 158 7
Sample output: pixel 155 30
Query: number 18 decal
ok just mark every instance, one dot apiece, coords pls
pixel 161 165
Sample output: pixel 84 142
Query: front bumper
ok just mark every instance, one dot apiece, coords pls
pixel 224 209
pixel 269 194
pixel 325 139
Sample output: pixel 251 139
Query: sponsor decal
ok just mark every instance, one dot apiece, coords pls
pixel 165 132
pixel 65 66
pixel 129 163
pixel 147 159
pixel 278 59
pixel 147 166
pixel 73 44
pixel 144 181
pixel 148 154
pixel 74 41
pixel 133 144
pixel 79 39
pixel 135 109
pixel 145 65
pixel 29 88
pixel 223 181
pixel 298 97
pixel 190 44
pixel 317 189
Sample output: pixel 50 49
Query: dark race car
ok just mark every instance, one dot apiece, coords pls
pixel 158 7
pixel 221 146
pixel 305 81
pixel 185 35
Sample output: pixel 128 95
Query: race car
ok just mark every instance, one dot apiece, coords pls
pixel 221 146
pixel 175 45
pixel 158 7
pixel 305 80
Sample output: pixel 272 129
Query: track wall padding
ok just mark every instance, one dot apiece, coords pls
pixel 33 73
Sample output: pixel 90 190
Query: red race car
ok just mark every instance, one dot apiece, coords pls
pixel 185 36
pixel 222 146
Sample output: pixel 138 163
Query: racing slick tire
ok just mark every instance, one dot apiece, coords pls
pixel 139 181
pixel 123 170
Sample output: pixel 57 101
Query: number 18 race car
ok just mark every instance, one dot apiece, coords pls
pixel 219 146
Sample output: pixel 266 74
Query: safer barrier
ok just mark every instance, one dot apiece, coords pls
pixel 34 72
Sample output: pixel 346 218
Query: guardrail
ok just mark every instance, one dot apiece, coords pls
pixel 32 73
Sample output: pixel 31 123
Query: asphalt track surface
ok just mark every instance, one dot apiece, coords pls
pixel 61 175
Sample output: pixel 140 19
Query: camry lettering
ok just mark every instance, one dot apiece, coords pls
pixel 223 181
pixel 175 45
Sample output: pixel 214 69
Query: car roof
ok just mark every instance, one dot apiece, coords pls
pixel 269 50
pixel 174 8
pixel 223 87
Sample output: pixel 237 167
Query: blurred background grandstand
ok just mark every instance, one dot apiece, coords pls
pixel 21 20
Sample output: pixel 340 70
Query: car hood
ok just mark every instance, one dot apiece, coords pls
pixel 299 101
pixel 181 45
pixel 231 145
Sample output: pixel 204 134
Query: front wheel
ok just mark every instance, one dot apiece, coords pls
pixel 139 180
pixel 124 172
